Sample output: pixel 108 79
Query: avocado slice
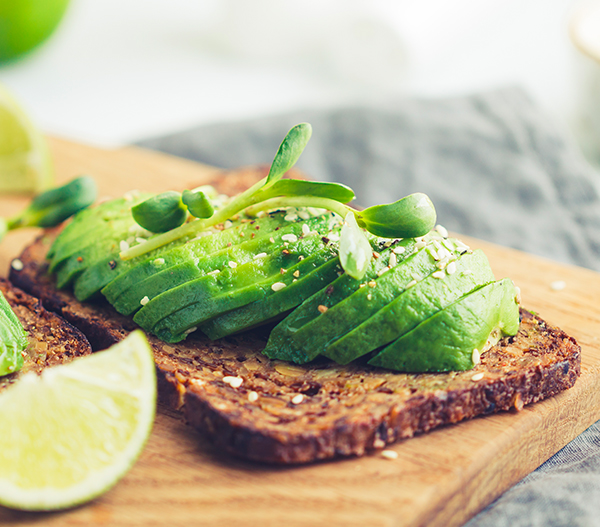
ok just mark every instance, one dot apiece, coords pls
pixel 445 341
pixel 191 262
pixel 111 221
pixel 313 278
pixel 412 306
pixel 330 324
pixel 335 292
pixel 177 312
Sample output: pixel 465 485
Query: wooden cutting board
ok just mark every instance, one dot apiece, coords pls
pixel 441 478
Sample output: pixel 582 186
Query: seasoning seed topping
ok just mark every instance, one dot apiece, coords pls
pixel 372 283
pixel 191 330
pixel 259 255
pixel 389 454
pixel 451 268
pixel 216 271
pixel 234 382
pixel 381 271
pixel 322 308
pixel 232 264
pixel 144 300
pixel 291 217
pixel 123 245
pixel 296 273
pixel 290 238
pixel 305 229
pixel 411 283
pixel 558 285
pixel 297 399
pixel 441 230
pixel 399 250
pixel 252 397
pixel 476 356
pixel 159 261
pixel 271 239
pixel 439 274
pixel 227 224
pixel 477 376
pixel 277 286
pixel 393 260
pixel 17 264
pixel 303 214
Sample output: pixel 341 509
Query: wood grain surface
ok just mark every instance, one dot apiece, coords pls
pixel 441 478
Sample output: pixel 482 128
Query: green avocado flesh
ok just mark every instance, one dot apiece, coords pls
pixel 307 342
pixel 445 341
pixel 424 303
pixel 13 339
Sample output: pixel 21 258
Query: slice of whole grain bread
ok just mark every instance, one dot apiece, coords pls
pixel 272 411
pixel 52 340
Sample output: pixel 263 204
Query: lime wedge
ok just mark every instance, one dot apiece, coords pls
pixel 25 164
pixel 71 433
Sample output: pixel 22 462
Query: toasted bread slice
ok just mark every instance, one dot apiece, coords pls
pixel 52 339
pixel 277 412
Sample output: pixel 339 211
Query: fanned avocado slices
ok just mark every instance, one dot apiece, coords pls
pixel 412 306
pixel 313 338
pixel 453 338
pixel 13 339
pixel 194 260
pixel 178 311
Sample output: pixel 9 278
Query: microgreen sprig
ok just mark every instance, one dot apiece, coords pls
pixel 53 206
pixel 411 216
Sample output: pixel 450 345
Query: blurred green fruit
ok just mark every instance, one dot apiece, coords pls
pixel 26 23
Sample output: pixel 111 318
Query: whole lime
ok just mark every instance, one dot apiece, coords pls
pixel 26 23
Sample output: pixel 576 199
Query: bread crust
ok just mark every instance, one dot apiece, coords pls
pixel 52 340
pixel 289 414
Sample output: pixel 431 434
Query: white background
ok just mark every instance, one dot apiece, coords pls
pixel 117 71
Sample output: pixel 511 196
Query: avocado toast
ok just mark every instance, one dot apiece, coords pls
pixel 274 411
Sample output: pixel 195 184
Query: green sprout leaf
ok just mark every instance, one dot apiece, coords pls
pixel 299 187
pixel 411 216
pixel 56 205
pixel 289 151
pixel 198 204
pixel 160 213
pixel 355 249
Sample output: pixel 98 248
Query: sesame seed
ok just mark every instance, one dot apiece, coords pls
pixel 381 271
pixel 476 356
pixel 259 255
pixel 282 271
pixel 291 217
pixel 477 376
pixel 399 250
pixel 290 238
pixel 372 283
pixel 300 257
pixel 322 308
pixel 393 260
pixel 191 330
pixel 227 224
pixel 451 268
pixel 297 399
pixel 375 255
pixel 420 244
pixel 252 397
pixel 304 214
pixel 271 239
pixel 305 229
pixel 441 230
pixel 369 296
pixel 389 454
pixel 232 264
pixel 216 271
pixel 467 272
pixel 439 274
pixel 17 264
pixel 518 295
pixel 277 286
pixel 411 283
pixel 123 245
pixel 144 300
pixel 378 443
pixel 159 261
pixel 296 273
pixel 558 285
pixel 234 382
pixel 242 234
pixel 362 285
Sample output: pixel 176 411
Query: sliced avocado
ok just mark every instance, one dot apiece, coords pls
pixel 445 341
pixel 112 220
pixel 184 264
pixel 171 315
pixel 313 338
pixel 335 292
pixel 411 307
pixel 311 279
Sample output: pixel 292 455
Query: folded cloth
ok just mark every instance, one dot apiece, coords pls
pixel 496 168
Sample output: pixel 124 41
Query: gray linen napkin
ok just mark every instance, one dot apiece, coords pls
pixel 497 168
